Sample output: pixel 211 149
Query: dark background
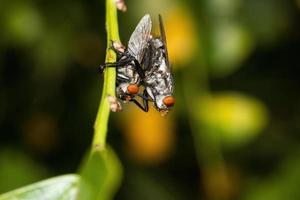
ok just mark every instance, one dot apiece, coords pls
pixel 233 133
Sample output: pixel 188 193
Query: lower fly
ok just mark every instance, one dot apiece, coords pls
pixel 129 71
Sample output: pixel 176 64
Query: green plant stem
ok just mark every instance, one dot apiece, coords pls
pixel 101 123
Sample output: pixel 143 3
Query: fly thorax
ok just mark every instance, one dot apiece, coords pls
pixel 150 79
pixel 164 83
pixel 161 86
pixel 128 72
pixel 163 66
pixel 157 43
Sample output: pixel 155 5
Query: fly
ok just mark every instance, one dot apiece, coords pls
pixel 145 62
pixel 158 80
pixel 129 70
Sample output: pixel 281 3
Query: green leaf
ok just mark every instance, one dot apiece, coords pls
pixel 101 175
pixel 100 178
pixel 61 187
pixel 16 164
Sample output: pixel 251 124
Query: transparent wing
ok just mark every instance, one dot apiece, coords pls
pixel 163 38
pixel 139 39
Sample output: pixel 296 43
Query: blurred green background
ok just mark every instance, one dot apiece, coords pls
pixel 233 133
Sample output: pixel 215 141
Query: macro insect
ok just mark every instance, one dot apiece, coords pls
pixel 145 62
pixel 129 71
pixel 158 80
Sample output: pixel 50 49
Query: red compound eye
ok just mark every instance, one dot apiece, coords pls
pixel 169 101
pixel 132 89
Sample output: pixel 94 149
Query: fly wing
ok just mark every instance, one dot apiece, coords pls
pixel 139 39
pixel 163 38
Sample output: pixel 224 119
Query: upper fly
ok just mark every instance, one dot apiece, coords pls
pixel 158 81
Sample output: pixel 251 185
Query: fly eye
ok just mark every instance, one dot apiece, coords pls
pixel 132 89
pixel 169 101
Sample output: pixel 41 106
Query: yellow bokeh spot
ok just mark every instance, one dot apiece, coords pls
pixel 149 136
pixel 236 118
pixel 181 35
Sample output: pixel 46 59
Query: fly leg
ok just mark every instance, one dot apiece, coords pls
pixel 145 96
pixel 145 106
pixel 102 67
pixel 119 49
pixel 139 69
pixel 122 80
pixel 145 100
pixel 119 63
pixel 121 52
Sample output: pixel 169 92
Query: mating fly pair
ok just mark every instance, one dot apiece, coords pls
pixel 144 63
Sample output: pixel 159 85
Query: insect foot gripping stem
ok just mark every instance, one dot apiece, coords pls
pixel 101 69
pixel 114 104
